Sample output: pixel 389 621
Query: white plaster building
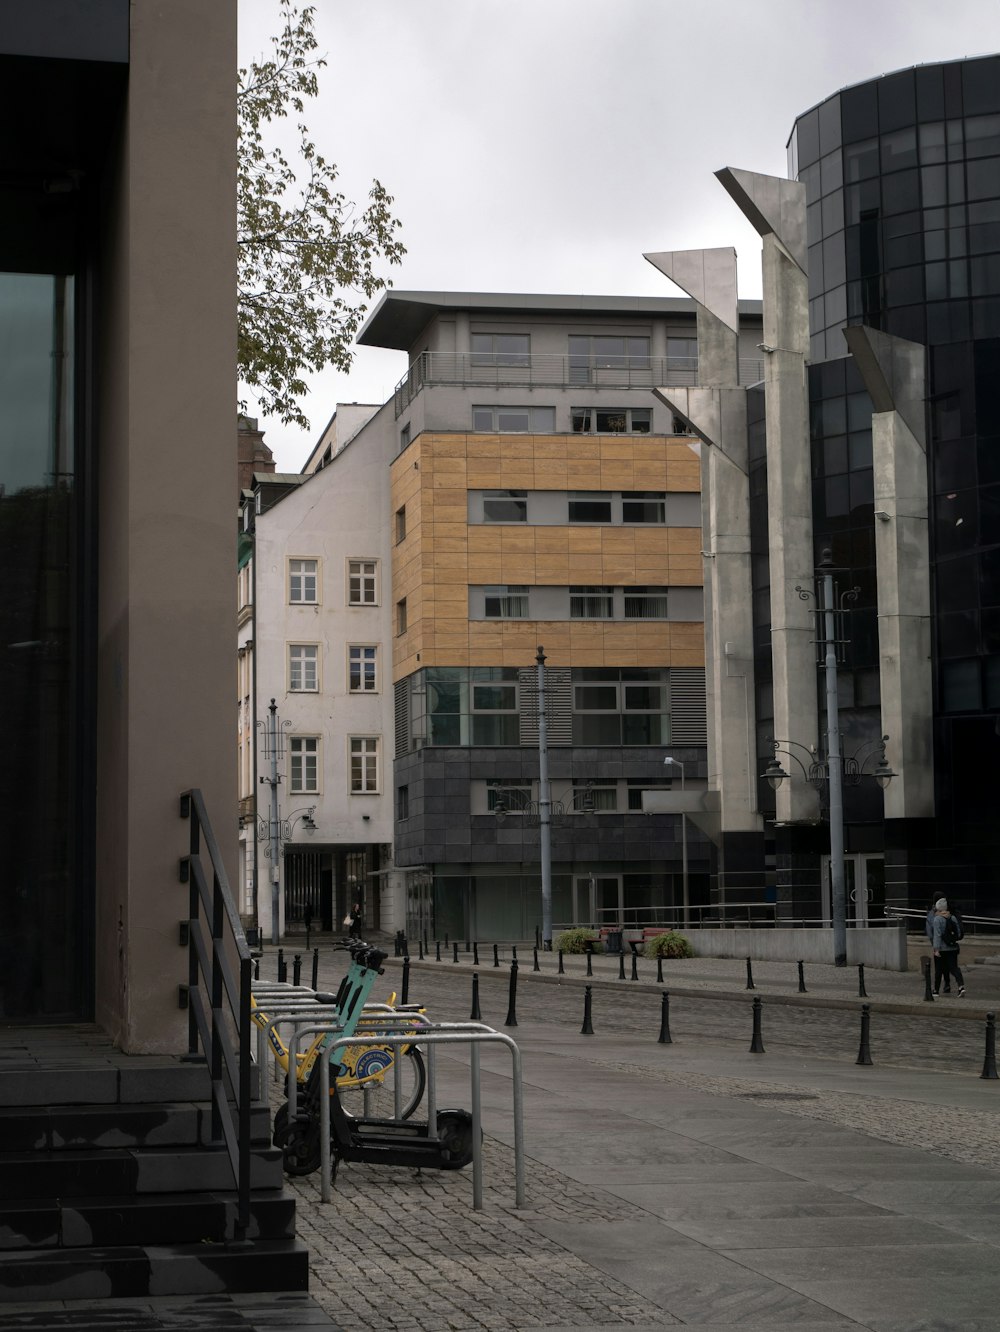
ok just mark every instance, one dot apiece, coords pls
pixel 315 639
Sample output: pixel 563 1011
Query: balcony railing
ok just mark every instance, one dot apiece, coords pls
pixel 510 370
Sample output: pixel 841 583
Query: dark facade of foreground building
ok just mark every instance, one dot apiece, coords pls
pixel 875 436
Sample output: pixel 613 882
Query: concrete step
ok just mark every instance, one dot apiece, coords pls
pixel 150 1124
pixel 172 1218
pixel 129 1171
pixel 182 1269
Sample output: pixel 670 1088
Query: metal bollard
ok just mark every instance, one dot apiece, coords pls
pixel 562 969
pixel 862 992
pixel 802 979
pixel 475 954
pixel 512 1004
pixel 425 941
pixel 750 984
pixel 990 1062
pixel 454 955
pixel 659 969
pixel 256 968
pixel 513 952
pixel 621 966
pixel 405 990
pixel 538 937
pixel 496 955
pixel 635 965
pixel 475 1015
pixel 437 950
pixel 590 961
pixel 864 1049
pixel 757 1044
pixel 588 1026
pixel 315 974
pixel 925 964
pixel 535 966
pixel 282 969
pixel 664 1037
pixel 297 969
pixel 420 949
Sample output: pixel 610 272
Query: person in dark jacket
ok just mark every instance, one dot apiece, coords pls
pixel 357 916
pixel 935 957
pixel 945 949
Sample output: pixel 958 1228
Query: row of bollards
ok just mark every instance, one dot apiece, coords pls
pixel 756 1041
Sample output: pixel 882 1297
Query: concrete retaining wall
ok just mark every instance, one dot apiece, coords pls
pixel 882 946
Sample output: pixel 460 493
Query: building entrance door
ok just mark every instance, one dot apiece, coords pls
pixel 864 888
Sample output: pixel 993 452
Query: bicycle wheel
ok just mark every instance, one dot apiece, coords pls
pixel 375 1097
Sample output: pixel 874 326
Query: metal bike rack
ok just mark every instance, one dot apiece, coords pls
pixel 447 1033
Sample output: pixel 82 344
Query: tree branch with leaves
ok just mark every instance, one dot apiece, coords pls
pixel 309 258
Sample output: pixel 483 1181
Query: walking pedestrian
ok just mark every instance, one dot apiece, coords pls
pixel 356 919
pixel 947 933
pixel 935 957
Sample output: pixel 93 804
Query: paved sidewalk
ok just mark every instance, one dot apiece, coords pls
pixel 682 1184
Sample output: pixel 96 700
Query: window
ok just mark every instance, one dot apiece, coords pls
pixel 364 764
pixel 590 506
pixel 401 616
pixel 505 603
pixel 494 713
pixel 303 582
pixel 400 524
pixel 612 420
pixel 362 670
pixel 505 506
pixel 304 753
pixel 682 354
pixel 498 349
pixel 644 506
pixel 303 668
pixel 404 437
pixel 645 603
pixel 591 797
pixel 514 420
pixel 511 797
pixel 362 582
pixel 626 706
pixel 590 355
pixel 402 803
pixel 591 603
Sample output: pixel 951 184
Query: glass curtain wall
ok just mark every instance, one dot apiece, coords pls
pixel 42 950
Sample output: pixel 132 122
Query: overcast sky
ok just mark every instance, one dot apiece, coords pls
pixel 543 145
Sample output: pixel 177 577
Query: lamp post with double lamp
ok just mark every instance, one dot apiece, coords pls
pixel 832 767
pixel 686 899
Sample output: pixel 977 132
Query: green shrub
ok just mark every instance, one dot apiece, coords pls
pixel 575 941
pixel 668 944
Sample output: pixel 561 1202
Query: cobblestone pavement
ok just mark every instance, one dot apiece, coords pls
pixel 403 1249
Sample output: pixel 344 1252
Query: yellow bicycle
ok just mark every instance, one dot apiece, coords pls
pixel 363 1086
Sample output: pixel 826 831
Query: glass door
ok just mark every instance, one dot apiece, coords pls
pixel 864 888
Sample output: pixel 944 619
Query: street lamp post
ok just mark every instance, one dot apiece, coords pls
pixel 544 806
pixel 686 900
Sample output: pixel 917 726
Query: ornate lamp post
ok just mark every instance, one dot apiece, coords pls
pixel 832 767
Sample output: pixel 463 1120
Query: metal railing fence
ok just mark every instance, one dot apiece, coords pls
pixel 216 997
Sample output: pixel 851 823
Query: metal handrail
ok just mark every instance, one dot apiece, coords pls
pixel 209 1017
pixel 911 913
pixel 554 371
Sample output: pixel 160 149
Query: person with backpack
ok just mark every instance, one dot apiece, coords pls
pixel 947 932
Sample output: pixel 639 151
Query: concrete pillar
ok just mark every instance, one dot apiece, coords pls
pixel 777 209
pixel 894 374
pixel 716 411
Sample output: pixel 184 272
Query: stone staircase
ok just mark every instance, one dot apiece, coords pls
pixel 110 1185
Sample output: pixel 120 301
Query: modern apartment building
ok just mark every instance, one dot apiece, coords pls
pixel 542 495
pixel 869 449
